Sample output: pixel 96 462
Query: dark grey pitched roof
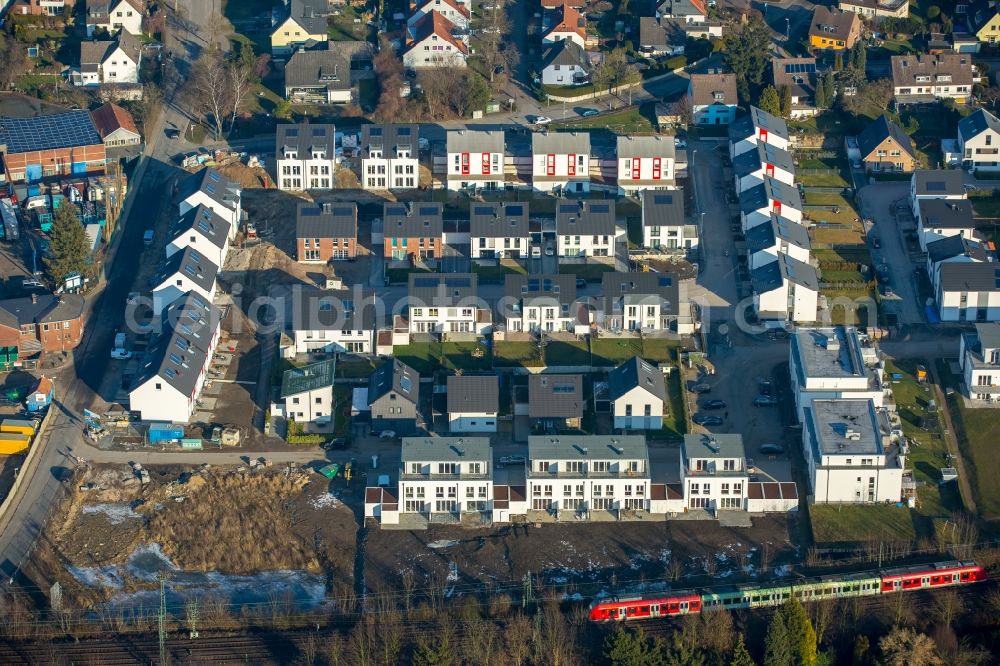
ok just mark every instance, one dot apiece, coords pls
pixel 906 68
pixel 662 288
pixel 969 276
pixel 976 123
pixel 663 208
pixel 636 372
pixel 558 290
pixel 177 355
pixel 831 22
pixel 772 275
pixel 765 153
pixel 333 309
pixel 560 143
pixel 60 130
pixel 327 220
pixel 388 137
pixel 498 219
pixel 760 196
pixel 709 89
pixel 799 74
pixel 988 334
pixel 956 246
pixel 476 141
pixel 745 126
pixel 189 263
pixel 206 222
pixel 310 14
pixel 939 182
pixel 443 290
pixel 764 236
pixel 878 131
pixel 660 34
pixel 555 396
pixel 653 145
pixel 329 67
pixel 682 8
pixel 42 309
pixel 565 52
pixel 218 188
pixel 473 395
pixel 394 376
pixel 304 138
pixel 418 219
pixel 946 213
pixel 586 217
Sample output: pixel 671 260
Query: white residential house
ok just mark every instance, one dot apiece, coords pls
pixel 560 161
pixel 567 23
pixel 664 225
pixel 646 302
pixel 306 156
pixel 211 189
pixel 446 304
pixel 953 249
pixel 454 11
pixel 834 363
pixel 114 15
pixel 431 42
pixel 785 289
pixel 979 355
pixel 109 62
pixel 712 98
pixel 778 236
pixel 575 476
pixel 968 291
pixel 499 229
pixel 851 459
pixel 542 304
pixel 476 160
pixel 645 162
pixel 637 391
pixel 923 78
pixel 184 271
pixel 167 385
pixel 751 167
pixel 565 63
pixel 446 476
pixel 307 394
pixel 332 320
pixel 930 184
pixel 757 127
pixel 941 218
pixel 202 230
pixel 473 403
pixel 979 141
pixel 587 228
pixel 390 157
pixel 758 203
pixel 714 472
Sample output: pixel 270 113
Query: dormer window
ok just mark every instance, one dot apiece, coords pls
pixel 718 96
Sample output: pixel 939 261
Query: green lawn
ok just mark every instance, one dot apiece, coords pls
pixel 976 433
pixel 496 273
pixel 986 206
pixel 342 411
pixel 857 254
pixel 612 351
pixel 823 180
pixel 558 352
pixel 826 199
pixel 525 354
pixel 427 357
pixel 840 276
pixel 589 272
pixel 343 28
pixel 926 459
pixel 636 120
pixel 856 523
pixel 675 424
pixel 401 275
pixel 354 368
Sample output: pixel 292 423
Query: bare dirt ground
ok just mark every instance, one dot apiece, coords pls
pixel 205 520
pixel 586 558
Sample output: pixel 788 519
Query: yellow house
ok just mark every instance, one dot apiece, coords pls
pixel 833 29
pixel 306 21
pixel 984 21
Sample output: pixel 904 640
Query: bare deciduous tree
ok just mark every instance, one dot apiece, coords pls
pixel 241 77
pixel 209 90
pixel 492 49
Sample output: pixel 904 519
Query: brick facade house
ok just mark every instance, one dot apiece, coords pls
pixel 326 232
pixel 41 323
pixel 62 144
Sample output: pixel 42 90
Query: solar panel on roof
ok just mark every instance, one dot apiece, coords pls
pixel 429 210
pixel 800 68
pixel 319 131
pixel 665 281
pixel 425 282
pixel 663 199
pixel 395 210
pixel 458 282
pixel 567 208
pixel 214 176
pixel 343 211
pixel 935 186
pixel 482 210
pixel 375 131
pixel 600 208
pixel 515 210
pixel 403 131
pixel 292 131
pixel 61 130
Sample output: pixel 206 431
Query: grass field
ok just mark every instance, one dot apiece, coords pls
pixel 496 272
pixel 611 351
pixel 976 433
pixel 638 120
pixel 675 423
pixel 342 411
pixel 844 239
pixel 589 272
pixel 426 357
pixel 525 354
pixel 853 523
pixel 559 352
pixel 354 368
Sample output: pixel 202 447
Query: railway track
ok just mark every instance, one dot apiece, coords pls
pixel 128 650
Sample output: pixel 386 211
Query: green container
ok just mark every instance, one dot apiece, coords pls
pixel 330 471
pixel 191 443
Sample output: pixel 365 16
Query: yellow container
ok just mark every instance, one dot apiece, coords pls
pixel 12 442
pixel 20 426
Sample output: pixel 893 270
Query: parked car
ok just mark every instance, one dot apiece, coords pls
pixel 702 388
pixel 772 449
pixel 707 420
pixel 337 443
pixel 542 120
pixel 765 401
pixel 387 434
pixel 121 354
pixel 680 143
pixel 550 251
pixel 713 404
pixel 580 283
pixel 587 113
pixel 512 460
pixel 172 133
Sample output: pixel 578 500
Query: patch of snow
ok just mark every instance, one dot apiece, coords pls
pixel 558 580
pixel 325 501
pixel 783 571
pixel 443 543
pixel 107 576
pixel 452 571
pixel 116 513
pixel 576 596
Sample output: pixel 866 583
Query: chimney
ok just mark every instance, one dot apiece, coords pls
pixel 34 298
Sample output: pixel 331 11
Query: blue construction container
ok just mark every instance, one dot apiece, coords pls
pixel 165 432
